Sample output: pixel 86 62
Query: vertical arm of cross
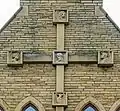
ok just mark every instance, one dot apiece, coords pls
pixel 60 58
pixel 60 36
pixel 60 68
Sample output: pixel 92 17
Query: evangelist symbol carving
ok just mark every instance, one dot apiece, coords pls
pixel 60 57
pixel 105 57
pixel 60 16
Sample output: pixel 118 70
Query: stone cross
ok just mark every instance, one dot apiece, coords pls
pixel 60 58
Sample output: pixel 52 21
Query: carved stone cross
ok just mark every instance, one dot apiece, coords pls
pixel 59 58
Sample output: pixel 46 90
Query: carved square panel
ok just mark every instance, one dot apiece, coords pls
pixel 105 58
pixel 59 99
pixel 14 58
pixel 60 16
pixel 60 57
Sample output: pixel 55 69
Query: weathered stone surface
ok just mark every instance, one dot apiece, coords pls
pixel 34 57
pixel 83 56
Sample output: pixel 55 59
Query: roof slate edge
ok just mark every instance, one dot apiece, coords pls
pixel 10 20
pixel 110 19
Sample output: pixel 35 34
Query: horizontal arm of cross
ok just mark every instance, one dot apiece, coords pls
pixel 47 58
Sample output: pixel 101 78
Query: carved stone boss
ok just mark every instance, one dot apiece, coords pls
pixel 105 58
pixel 60 57
pixel 14 58
pixel 59 99
pixel 60 16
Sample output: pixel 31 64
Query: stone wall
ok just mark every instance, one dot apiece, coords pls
pixel 32 29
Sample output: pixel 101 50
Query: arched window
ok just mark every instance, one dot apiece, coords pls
pixel 29 107
pixel 90 104
pixel 89 107
pixel 29 104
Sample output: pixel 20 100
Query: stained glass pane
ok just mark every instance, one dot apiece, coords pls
pixel 89 109
pixel 30 109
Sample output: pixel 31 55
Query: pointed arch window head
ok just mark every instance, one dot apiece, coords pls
pixel 29 107
pixel 89 107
